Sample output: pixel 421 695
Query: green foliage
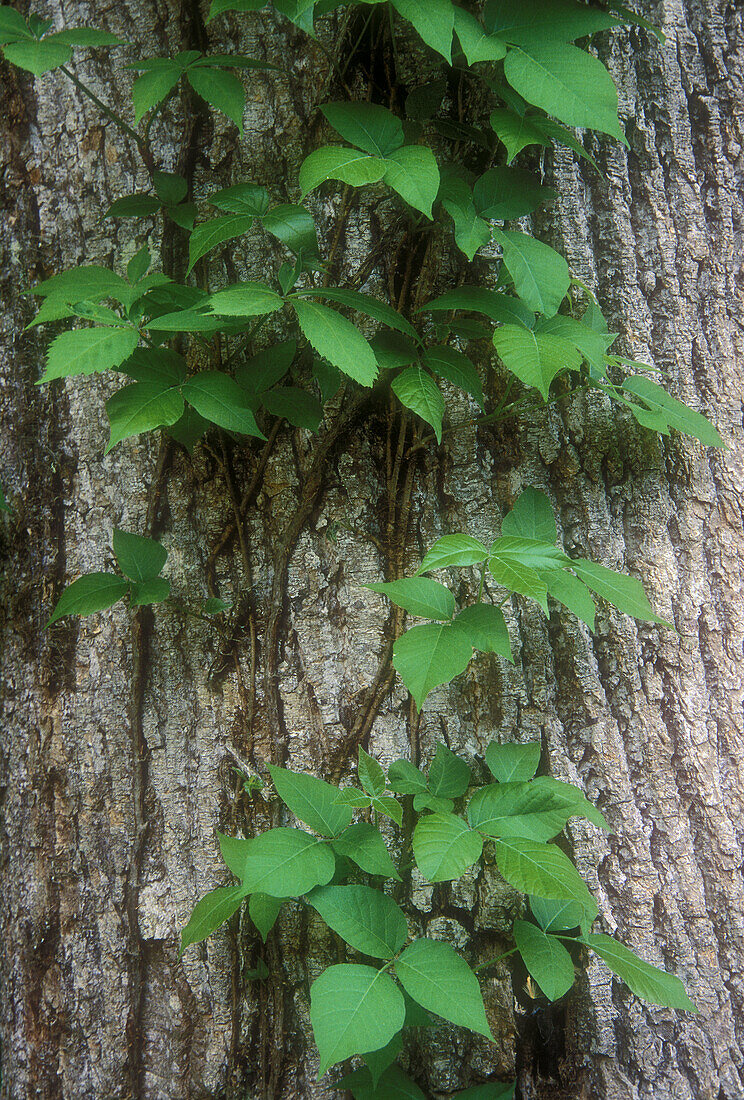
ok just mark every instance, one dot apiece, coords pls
pixel 530 83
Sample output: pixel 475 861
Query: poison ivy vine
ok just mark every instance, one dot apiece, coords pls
pixel 444 171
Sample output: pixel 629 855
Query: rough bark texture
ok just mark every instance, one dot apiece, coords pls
pixel 119 739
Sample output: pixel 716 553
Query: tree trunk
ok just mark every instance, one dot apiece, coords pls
pixel 122 735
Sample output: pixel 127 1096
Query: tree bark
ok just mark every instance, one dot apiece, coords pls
pixel 122 734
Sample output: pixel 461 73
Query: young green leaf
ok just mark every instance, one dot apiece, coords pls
pixel 508 571
pixel 153 86
pixel 444 847
pixel 412 171
pixel 351 796
pixel 214 232
pixel 433 19
pixel 364 844
pixel 568 83
pixel 367 919
pixel 337 340
pixel 371 775
pixel 367 125
pixel 546 958
pixel 512 763
pixel 38 57
pixel 353 1009
pixel 531 517
pixel 248 199
pixel 263 911
pixel 219 399
pixel 139 558
pixel 389 807
pixel 427 656
pixel 284 863
pixel 646 981
pixel 501 308
pixel 405 778
pixel 140 408
pixel 534 358
pixel 515 131
pixel 441 981
pixel 672 413
pixel 449 774
pixel 88 351
pixel 210 912
pixel 221 90
pixel 543 870
pixel 623 592
pixel 456 368
pixel 453 550
pixel 476 43
pixel 417 391
pixel 245 300
pixel 154 590
pixel 485 628
pixel 336 162
pixel 420 596
pixel 571 592
pixel 537 810
pixel 89 593
pixel 556 916
pixel 312 800
pixel 504 193
pixel 540 274
pixel 294 227
pixel 363 303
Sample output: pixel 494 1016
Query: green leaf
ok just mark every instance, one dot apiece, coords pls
pixel 367 125
pixel 456 368
pixel 673 413
pixel 337 340
pixel 646 981
pixel 248 199
pixel 531 517
pixel 441 981
pixel 501 308
pixel 393 350
pixel 444 847
pixel 87 283
pixel 151 591
pixel 476 43
pixel 88 37
pixel 210 912
pixel 364 844
pixel 471 232
pixel 353 1009
pixel 156 365
pixel 88 351
pixel 12 25
pixel 515 131
pixel 557 133
pixel 428 801
pixel 534 553
pixel 449 775
pixel 491 1090
pixel 593 345
pixel 140 408
pixel 543 870
pixel 545 21
pixel 38 57
pixel 89 593
pixel 453 550
pixel 133 206
pixel 427 656
pixel 170 187
pixel 152 87
pixel 189 429
pixel 623 592
pixel 512 763
pixel 214 232
pixel 418 595
pixel 363 303
pixel 485 628
pixel 263 911
pixel 352 796
pixel 417 391
pixel 568 83
pixel 546 958
pixel 412 171
pixel 219 399
pixel 433 19
pixel 297 406
pixel 371 775
pixel 284 863
pixel 513 575
pixel 405 778
pixel 556 916
pixel 389 807
pixel 336 162
pixel 540 274
pixel 537 810
pixel 534 358
pixel 267 367
pixel 571 592
pixel 221 90
pixel 393 1084
pixel 139 558
pixel 312 800
pixel 294 227
pixel 245 300
pixel 368 920
pixel 503 193
pixel 379 1060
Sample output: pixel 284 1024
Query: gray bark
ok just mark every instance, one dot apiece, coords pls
pixel 120 740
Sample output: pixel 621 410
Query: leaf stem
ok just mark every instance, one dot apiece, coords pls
pixel 118 121
pixel 492 962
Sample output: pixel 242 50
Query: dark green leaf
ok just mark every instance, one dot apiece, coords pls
pixel 336 162
pixel 363 303
pixel 267 367
pixel 672 413
pixel 540 274
pixel 456 368
pixel 364 844
pixel 556 916
pixel 151 591
pixel 531 518
pixel 623 592
pixel 405 778
pixel 221 90
pixel 155 365
pixel 248 199
pixel 37 57
pixel 412 171
pixel 367 125
pixel 89 593
pixel 140 408
pixel 297 406
pixel 263 911
pixel 371 775
pixel 133 206
pixel 501 308
pixel 571 592
pixel 337 340
pixel 449 775
pixel 515 131
pixel 433 19
pixel 393 1084
pixel 503 193
pixel 544 21
pixel 170 187
pixel 212 233
pixel 417 391
pixel 477 44
pixel 219 399
pixel 516 577
pixel 294 227
pixel 245 300
pixel 485 628
pixel 153 86
pixel 538 809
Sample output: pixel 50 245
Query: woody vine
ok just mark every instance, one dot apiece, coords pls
pixel 230 367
